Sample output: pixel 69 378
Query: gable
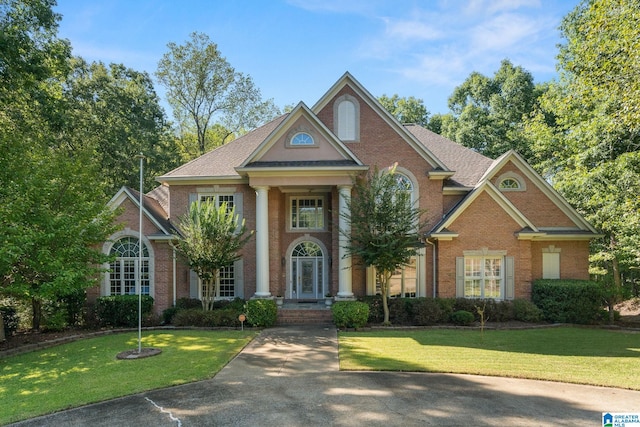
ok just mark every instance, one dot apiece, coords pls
pixel 530 199
pixel 318 148
pixel 278 149
pixel 379 133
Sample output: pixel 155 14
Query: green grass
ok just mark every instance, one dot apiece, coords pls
pixel 87 370
pixel 574 355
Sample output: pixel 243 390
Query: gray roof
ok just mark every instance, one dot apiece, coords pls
pixel 469 166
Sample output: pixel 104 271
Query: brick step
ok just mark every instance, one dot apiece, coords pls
pixel 304 317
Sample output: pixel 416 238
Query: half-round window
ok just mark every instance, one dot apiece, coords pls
pixel 302 138
pixel 509 184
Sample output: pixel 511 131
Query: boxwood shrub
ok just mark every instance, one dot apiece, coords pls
pixel 261 312
pixel 463 318
pixel 122 310
pixel 350 314
pixel 568 301
pixel 223 317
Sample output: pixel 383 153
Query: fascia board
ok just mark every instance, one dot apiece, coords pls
pixel 124 193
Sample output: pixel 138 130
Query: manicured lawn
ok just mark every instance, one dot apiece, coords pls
pixel 567 354
pixel 87 370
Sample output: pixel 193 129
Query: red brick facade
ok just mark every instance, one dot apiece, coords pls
pixel 519 224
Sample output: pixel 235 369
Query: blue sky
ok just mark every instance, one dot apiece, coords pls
pixel 296 49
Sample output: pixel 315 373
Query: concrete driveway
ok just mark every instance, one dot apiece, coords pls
pixel 289 376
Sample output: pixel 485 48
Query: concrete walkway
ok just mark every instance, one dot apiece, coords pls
pixel 289 376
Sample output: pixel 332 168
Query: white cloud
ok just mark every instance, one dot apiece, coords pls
pixel 503 32
pixel 412 30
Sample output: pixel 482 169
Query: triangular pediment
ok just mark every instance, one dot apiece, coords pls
pixel 301 139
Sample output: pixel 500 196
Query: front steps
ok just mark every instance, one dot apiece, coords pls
pixel 304 314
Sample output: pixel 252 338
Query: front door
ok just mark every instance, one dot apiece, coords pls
pixel 307 271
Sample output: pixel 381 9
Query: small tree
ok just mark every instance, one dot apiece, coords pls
pixel 211 239
pixel 385 226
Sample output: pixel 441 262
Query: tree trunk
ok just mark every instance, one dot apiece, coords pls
pixel 384 291
pixel 617 291
pixel 2 336
pixel 36 308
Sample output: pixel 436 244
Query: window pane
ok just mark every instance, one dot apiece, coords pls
pixel 115 276
pixel 129 278
pixel 472 288
pixel 226 288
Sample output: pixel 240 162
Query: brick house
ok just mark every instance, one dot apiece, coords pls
pixel 495 225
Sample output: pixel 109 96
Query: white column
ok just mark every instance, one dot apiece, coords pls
pixel 262 242
pixel 345 289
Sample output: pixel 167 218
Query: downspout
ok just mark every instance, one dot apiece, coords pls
pixel 433 275
pixel 173 249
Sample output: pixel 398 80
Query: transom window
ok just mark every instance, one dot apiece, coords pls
pixel 307 213
pixel 483 277
pixel 124 272
pixel 302 138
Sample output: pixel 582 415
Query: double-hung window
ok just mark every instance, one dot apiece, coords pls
pixel 124 270
pixel 307 213
pixel 484 277
pixel 219 199
pixel 225 286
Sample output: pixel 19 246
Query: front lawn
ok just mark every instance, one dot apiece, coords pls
pixel 567 354
pixel 87 370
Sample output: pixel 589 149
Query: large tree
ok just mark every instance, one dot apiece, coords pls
pixel 52 212
pixel 210 239
pixel 488 112
pixel 384 226
pixel 115 112
pixel 406 110
pixel 586 132
pixel 203 88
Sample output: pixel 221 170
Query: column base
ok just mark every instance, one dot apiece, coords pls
pixel 345 296
pixel 262 295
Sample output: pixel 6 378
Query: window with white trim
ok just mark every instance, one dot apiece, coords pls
pixel 302 139
pixel 219 199
pixel 123 271
pixel 404 281
pixel 346 117
pixel 225 285
pixel 483 277
pixel 509 184
pixel 307 213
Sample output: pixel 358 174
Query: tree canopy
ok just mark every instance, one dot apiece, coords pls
pixel 203 89
pixel 406 110
pixel 53 214
pixel 210 239
pixel 488 114
pixel 585 133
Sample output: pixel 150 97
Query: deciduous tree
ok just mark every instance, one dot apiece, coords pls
pixel 210 239
pixel 406 110
pixel 203 88
pixel 385 226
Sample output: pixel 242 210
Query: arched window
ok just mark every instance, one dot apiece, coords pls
pixel 302 138
pixel 346 116
pixel 509 184
pixel 124 272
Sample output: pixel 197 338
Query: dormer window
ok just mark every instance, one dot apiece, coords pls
pixel 346 115
pixel 302 139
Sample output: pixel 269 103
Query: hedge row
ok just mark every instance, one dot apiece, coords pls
pixel 122 310
pixel 432 311
pixel 189 312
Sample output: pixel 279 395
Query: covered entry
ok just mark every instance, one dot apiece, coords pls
pixel 307 271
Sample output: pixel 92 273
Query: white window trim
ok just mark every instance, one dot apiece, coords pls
pixel 336 117
pixel 306 197
pixel 482 278
pixel 106 249
pixel 522 186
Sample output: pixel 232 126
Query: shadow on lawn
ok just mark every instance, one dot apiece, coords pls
pixel 557 341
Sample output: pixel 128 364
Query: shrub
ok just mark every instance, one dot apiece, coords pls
pixel 10 318
pixel 400 311
pixel 376 312
pixel 122 310
pixel 526 311
pixel 206 319
pixel 168 314
pixel 186 303
pixel 568 301
pixel 350 314
pixel 261 312
pixel 427 311
pixel 463 318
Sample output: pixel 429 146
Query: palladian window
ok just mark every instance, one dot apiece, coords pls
pixel 124 270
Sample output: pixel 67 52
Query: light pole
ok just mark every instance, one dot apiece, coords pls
pixel 141 157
